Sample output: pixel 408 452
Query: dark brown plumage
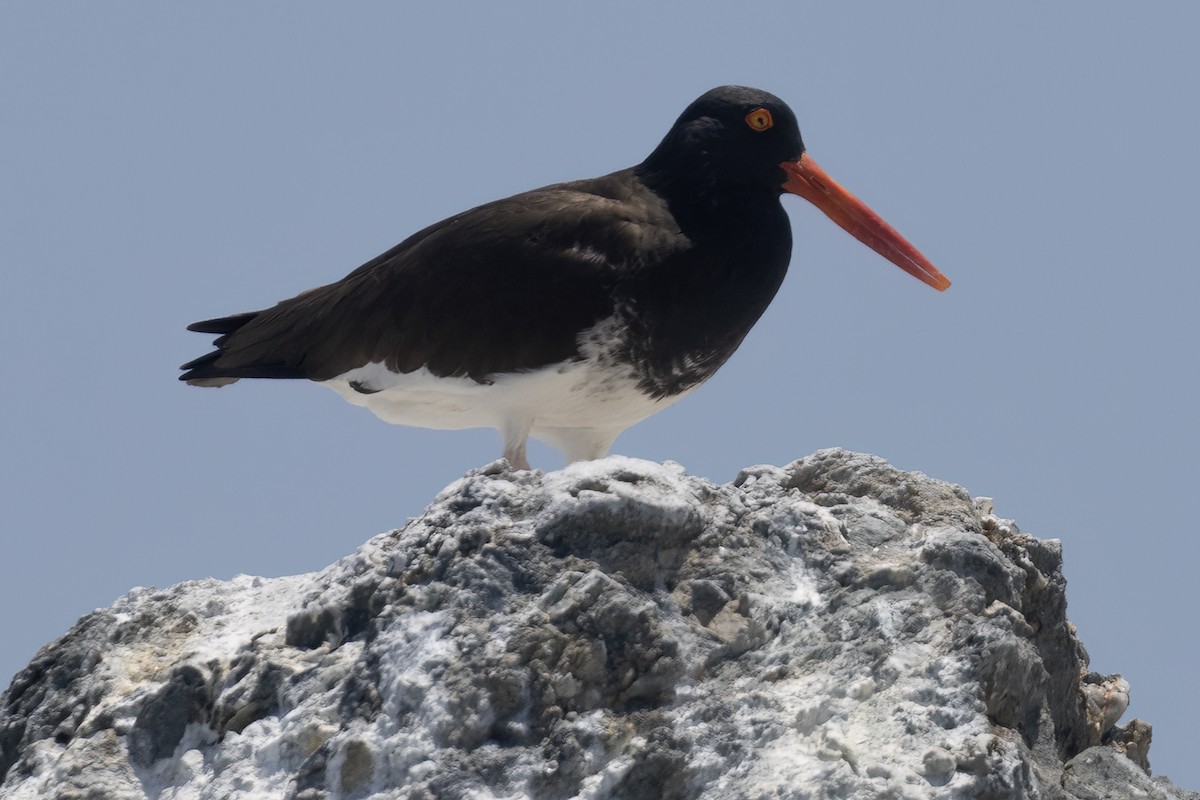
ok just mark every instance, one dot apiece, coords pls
pixel 635 286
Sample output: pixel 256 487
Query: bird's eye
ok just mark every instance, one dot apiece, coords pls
pixel 759 120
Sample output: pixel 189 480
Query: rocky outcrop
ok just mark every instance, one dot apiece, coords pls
pixel 617 629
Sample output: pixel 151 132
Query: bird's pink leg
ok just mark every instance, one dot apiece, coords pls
pixel 515 454
pixel 516 434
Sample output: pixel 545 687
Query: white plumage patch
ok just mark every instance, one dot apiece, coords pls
pixel 576 406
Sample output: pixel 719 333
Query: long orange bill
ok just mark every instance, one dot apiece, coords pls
pixel 812 183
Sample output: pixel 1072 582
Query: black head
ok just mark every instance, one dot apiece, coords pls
pixel 734 146
pixel 732 138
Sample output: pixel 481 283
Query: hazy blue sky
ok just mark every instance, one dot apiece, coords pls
pixel 168 163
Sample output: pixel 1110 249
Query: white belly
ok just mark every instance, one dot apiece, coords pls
pixel 579 407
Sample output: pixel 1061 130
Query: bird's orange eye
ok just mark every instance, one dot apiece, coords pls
pixel 759 120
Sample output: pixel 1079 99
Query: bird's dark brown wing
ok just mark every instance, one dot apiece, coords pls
pixel 504 287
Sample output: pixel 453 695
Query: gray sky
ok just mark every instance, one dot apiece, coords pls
pixel 163 164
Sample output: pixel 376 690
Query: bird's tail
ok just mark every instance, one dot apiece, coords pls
pixel 207 369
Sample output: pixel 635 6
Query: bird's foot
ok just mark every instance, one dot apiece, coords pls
pixel 515 456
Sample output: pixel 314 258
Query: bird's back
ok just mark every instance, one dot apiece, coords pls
pixel 508 287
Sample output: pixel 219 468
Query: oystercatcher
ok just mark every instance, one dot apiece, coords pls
pixel 570 312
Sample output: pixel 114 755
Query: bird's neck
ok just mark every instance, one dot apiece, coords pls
pixel 690 313
pixel 707 207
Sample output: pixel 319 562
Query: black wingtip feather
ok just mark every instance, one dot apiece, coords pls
pixel 202 361
pixel 223 324
pixel 203 375
pixel 200 372
pixel 203 371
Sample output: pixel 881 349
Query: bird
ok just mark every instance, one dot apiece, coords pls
pixel 571 312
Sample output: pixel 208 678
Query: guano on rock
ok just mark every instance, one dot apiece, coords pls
pixel 616 629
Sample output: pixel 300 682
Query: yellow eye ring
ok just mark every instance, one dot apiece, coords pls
pixel 759 120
